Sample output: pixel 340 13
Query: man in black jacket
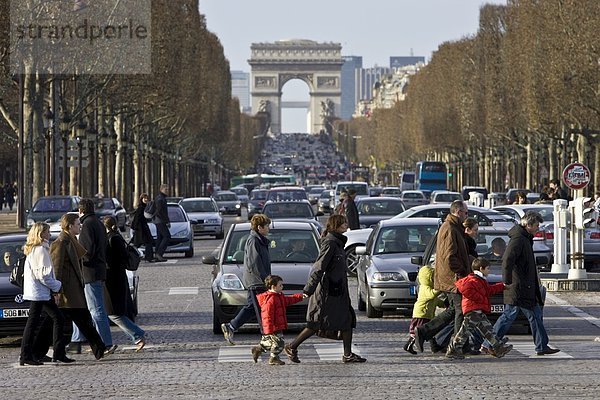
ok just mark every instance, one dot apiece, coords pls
pixel 523 293
pixel 162 222
pixel 93 239
pixel 351 210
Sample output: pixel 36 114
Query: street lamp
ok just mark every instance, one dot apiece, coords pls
pixel 48 118
pixel 91 134
pixel 112 146
pixel 80 138
pixel 64 125
pixel 104 138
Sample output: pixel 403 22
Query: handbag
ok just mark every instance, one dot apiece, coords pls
pixel 133 258
pixel 17 274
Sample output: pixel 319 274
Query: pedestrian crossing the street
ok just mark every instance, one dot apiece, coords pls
pixel 334 352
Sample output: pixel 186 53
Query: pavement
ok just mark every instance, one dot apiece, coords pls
pixel 8 221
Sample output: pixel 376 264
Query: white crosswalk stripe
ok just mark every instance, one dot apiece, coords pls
pixel 528 349
pixel 333 351
pixel 183 290
pixel 235 354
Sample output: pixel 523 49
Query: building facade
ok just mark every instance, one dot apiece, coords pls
pixel 350 95
pixel 240 88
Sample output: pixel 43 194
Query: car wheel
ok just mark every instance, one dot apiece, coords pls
pixel 361 302
pixel 352 259
pixel 371 312
pixel 190 253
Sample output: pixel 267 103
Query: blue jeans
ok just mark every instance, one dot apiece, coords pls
pixel 134 332
pixel 94 297
pixel 251 308
pixel 536 323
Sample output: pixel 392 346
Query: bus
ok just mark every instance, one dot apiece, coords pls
pixel 431 175
pixel 262 179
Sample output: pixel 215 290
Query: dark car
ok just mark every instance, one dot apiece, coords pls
pixel 228 202
pixel 257 201
pixel 51 208
pixel 371 210
pixel 300 210
pixel 111 207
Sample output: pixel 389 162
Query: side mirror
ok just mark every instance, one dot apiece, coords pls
pixel 210 260
pixel 417 260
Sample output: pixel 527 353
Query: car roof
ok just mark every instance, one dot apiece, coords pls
pixel 269 202
pixel 378 198
pixel 197 199
pixel 301 225
pixel 409 221
pixel 288 188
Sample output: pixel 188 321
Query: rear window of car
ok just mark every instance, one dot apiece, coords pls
pixel 226 197
pixel 199 206
pixel 176 214
pixel 380 207
pixel 259 194
pixel 447 197
pixel 53 205
pixel 288 210
pixel 279 195
pixel 413 195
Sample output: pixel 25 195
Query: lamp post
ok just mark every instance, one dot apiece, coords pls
pixel 112 146
pixel 48 119
pixel 104 137
pixel 91 134
pixel 65 121
pixel 80 138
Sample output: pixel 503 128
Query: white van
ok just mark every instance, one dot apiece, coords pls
pixel 362 189
pixel 407 180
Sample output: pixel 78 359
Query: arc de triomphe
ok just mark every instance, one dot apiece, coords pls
pixel 317 64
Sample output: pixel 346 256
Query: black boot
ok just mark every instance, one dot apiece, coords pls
pixel 408 346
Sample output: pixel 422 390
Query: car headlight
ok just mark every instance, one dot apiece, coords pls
pixel 211 221
pixel 181 234
pixel 388 276
pixel 231 282
pixel 237 205
pixel 30 222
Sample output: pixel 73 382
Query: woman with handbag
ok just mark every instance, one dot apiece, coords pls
pixel 118 285
pixel 330 313
pixel 142 234
pixel 67 255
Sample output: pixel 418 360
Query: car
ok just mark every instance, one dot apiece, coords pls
pixel 257 201
pixel 315 194
pixel 486 236
pixel 371 210
pixel 228 202
pixel 355 238
pixel 385 274
pixel 444 196
pixel 413 198
pixel 204 215
pixel 375 191
pixel 13 309
pixel 229 294
pixel 279 193
pixel 516 211
pixel 294 210
pixel 362 189
pixel 111 207
pixel 182 234
pixel 391 191
pixel 325 202
pixel 50 209
pixel 242 194
pixel 466 190
pixel 484 216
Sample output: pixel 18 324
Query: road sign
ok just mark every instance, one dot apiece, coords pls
pixel 576 176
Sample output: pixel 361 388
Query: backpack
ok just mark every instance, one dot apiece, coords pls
pixel 150 210
pixel 133 258
pixel 17 275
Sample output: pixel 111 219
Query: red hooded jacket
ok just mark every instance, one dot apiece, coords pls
pixel 272 310
pixel 476 292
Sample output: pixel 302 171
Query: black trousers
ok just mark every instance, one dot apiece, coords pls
pixel 31 340
pixel 83 319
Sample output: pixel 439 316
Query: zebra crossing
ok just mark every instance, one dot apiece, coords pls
pixel 334 351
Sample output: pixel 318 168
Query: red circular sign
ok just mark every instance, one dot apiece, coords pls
pixel 576 176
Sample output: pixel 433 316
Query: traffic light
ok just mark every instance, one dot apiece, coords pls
pixel 584 213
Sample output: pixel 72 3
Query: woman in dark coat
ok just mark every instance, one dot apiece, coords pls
pixel 330 312
pixel 471 228
pixel 118 285
pixel 139 224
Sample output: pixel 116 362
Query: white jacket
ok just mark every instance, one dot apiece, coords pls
pixel 38 279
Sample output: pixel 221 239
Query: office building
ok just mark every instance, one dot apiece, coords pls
pixel 240 88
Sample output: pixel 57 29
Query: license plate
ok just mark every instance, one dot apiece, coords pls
pixel 497 308
pixel 413 290
pixel 14 313
pixel 198 227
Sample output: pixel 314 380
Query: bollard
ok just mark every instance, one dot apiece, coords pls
pixel 561 214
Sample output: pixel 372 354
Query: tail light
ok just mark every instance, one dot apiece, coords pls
pixel 544 235
pixel 595 235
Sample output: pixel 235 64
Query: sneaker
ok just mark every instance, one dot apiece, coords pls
pixel 227 333
pixel 409 345
pixel 275 361
pixel 419 341
pixel 454 354
pixel 256 352
pixel 353 358
pixel 501 350
pixel 291 353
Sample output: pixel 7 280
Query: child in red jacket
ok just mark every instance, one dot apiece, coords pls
pixel 476 292
pixel 272 312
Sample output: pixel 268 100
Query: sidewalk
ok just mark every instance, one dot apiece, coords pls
pixel 8 221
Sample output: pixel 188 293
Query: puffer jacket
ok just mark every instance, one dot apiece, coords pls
pixel 329 307
pixel 452 259
pixel 427 299
pixel 272 310
pixel 476 292
pixel 38 279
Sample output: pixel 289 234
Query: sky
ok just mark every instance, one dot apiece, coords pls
pixel 373 29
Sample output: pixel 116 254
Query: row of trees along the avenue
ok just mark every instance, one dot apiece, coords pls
pixel 511 106
pixel 121 135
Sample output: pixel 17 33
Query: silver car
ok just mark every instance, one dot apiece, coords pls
pixel 228 202
pixel 484 216
pixel 228 292
pixel 182 235
pixel 204 215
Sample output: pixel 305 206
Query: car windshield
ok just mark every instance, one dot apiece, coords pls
pixel 226 197
pixel 288 210
pixel 53 205
pixel 240 191
pixel 491 245
pixel 176 214
pixel 259 194
pixel 199 206
pixel 380 207
pixel 390 191
pixel 11 252
pixel 285 246
pixel 103 204
pixel 278 195
pixel 403 239
pixel 326 194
